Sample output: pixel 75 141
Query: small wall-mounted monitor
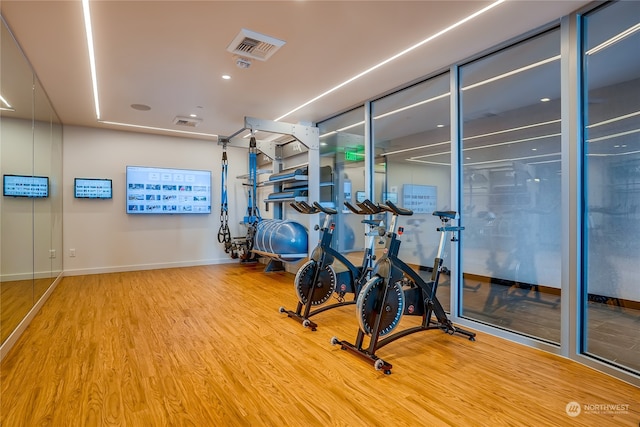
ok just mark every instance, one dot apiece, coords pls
pixel 92 188
pixel 392 197
pixel 168 191
pixel 25 186
pixel 360 196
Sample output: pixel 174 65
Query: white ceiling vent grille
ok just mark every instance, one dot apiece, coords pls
pixel 187 121
pixel 254 45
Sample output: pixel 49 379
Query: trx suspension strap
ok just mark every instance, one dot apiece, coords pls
pixel 224 235
pixel 253 214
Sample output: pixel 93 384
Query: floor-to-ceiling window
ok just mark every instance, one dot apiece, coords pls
pixel 611 257
pixel 511 192
pixel 511 175
pixel 411 137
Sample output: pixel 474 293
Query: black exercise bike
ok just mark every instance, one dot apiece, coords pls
pixel 316 281
pixel 395 289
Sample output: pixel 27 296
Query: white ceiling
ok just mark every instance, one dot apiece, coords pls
pixel 170 55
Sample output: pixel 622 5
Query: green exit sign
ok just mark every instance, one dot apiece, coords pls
pixel 353 156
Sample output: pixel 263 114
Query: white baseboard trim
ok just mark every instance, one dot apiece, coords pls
pixel 139 267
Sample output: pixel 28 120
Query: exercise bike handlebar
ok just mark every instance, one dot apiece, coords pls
pixel 295 206
pixel 323 209
pixel 369 207
pixel 363 208
pixel 304 208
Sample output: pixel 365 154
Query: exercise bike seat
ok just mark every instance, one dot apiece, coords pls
pixel 446 214
pixel 371 222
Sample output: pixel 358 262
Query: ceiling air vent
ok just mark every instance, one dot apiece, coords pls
pixel 186 121
pixel 250 44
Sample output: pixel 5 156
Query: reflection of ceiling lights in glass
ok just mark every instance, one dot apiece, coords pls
pixel 615 119
pixel 5 106
pixel 615 39
pixel 533 125
pixel 333 132
pixel 513 72
pixel 435 98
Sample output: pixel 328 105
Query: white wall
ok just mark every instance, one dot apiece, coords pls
pixel 106 239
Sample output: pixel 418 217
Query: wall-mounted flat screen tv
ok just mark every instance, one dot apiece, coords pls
pixel 92 188
pixel 25 186
pixel 168 191
pixel 392 197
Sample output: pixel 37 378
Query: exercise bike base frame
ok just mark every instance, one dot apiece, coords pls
pixel 378 363
pixel 305 321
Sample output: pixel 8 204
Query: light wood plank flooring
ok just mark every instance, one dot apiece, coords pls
pixel 206 346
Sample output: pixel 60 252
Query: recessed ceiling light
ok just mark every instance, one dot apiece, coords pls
pixel 545 99
pixel 140 107
pixel 193 115
pixel 226 76
pixel 440 126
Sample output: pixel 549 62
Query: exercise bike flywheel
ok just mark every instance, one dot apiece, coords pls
pixel 324 287
pixel 368 300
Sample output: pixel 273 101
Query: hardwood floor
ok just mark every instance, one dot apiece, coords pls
pixel 206 346
pixel 17 297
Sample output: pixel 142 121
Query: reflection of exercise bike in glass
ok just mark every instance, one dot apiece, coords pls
pixel 316 281
pixel 396 289
pixel 514 280
pixel 421 254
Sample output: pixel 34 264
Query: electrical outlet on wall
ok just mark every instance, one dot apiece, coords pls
pixel 52 253
pixel 72 253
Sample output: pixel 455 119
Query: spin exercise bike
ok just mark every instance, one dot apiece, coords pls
pixel 395 289
pixel 316 281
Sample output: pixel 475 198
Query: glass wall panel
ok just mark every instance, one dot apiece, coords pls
pixel 510 106
pixel 16 213
pixel 411 136
pixel 612 184
pixel 342 150
pixel 30 228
